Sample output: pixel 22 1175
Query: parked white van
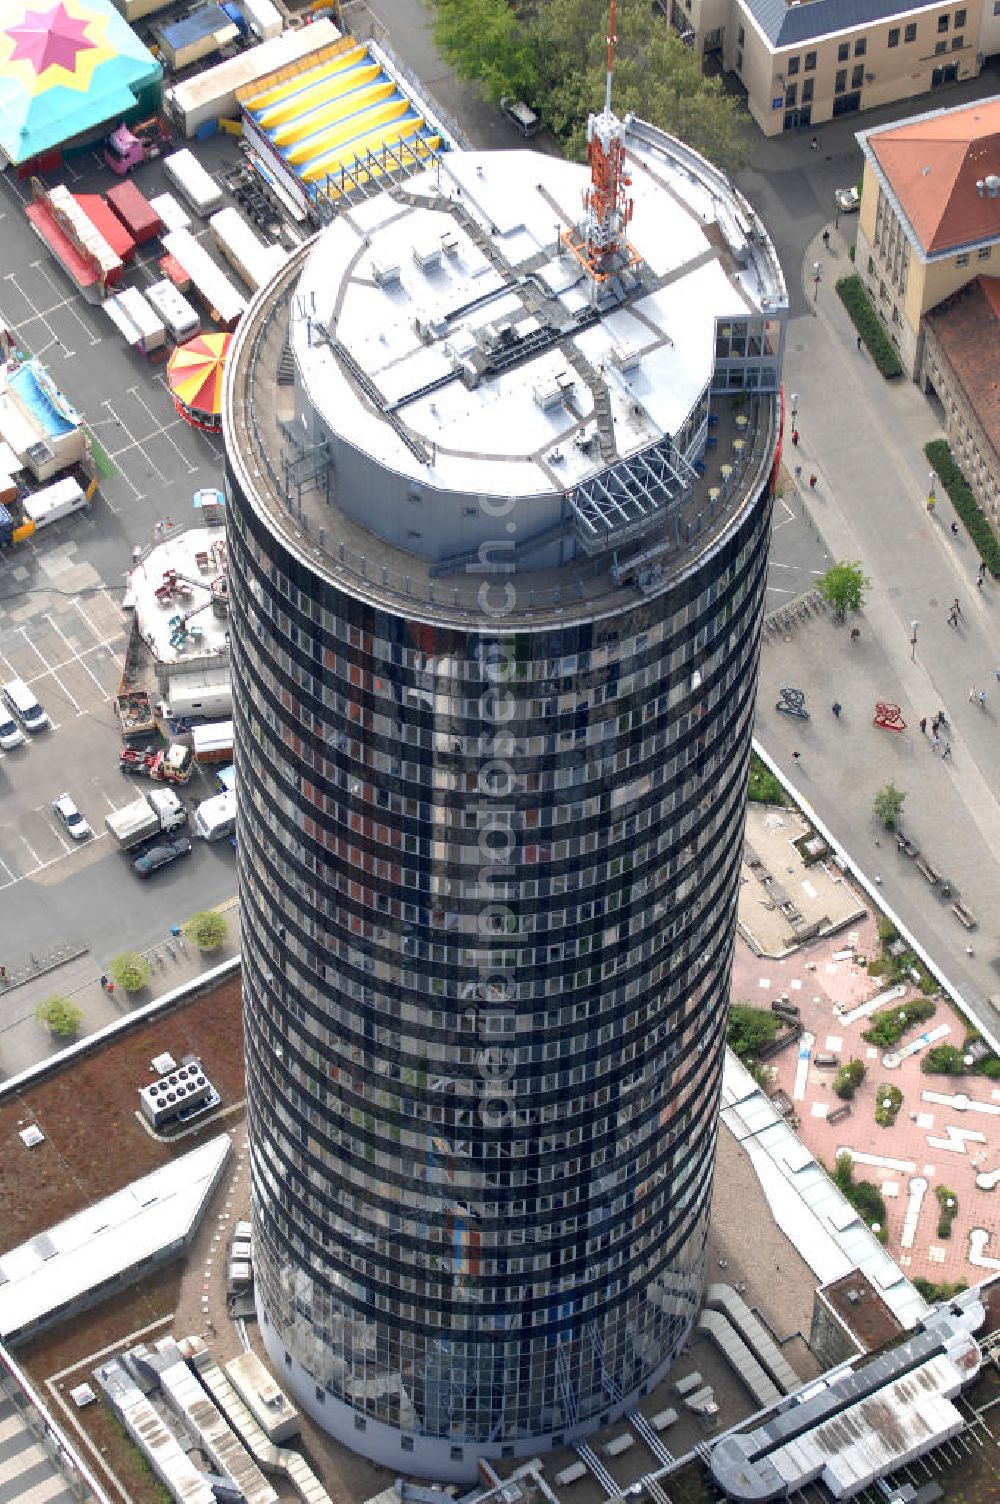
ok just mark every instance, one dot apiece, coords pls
pixel 216 817
pixel 24 705
pixel 11 734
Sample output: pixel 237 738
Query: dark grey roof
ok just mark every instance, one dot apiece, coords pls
pixel 787 25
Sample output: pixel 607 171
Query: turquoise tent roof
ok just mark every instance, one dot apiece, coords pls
pixel 67 68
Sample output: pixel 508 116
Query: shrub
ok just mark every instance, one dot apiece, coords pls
pixel 868 1202
pixel 887 931
pixel 935 1294
pixel 130 971
pixel 750 1029
pixel 888 1101
pixel 948 1202
pixel 60 1016
pixel 848 1079
pixel 890 1024
pixel 990 1067
pixel 843 1170
pixel 764 788
pixel 943 1060
pixel 207 930
pixel 976 523
pixel 866 321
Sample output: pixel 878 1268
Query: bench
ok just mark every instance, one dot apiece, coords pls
pixel 924 866
pixel 965 915
pixel 839 1113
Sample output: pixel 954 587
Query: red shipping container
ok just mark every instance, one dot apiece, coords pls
pixel 135 212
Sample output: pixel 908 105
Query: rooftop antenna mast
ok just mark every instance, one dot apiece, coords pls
pixel 599 242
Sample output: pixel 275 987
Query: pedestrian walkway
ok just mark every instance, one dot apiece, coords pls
pixel 866 448
pixel 174 961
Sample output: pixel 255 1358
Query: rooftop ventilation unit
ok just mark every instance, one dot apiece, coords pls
pixel 626 358
pixel 553 390
pixel 427 257
pixel 449 245
pixel 384 273
pixel 430 326
pixel 585 438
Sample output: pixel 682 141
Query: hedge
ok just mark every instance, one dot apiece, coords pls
pixel 868 324
pixel 938 451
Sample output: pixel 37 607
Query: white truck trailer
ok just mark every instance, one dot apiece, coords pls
pixel 193 182
pixel 158 810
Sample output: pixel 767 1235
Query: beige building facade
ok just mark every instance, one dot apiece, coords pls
pixel 803 64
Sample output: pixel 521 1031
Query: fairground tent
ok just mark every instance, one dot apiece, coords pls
pixel 67 69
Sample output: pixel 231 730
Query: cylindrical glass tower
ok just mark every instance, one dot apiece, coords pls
pixel 493 706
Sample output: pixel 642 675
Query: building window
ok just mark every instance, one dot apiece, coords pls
pixel 739 56
pixel 740 37
pixel 942 24
pixel 840 82
pixel 793 66
pixel 807 94
pixel 957 43
pixel 791 97
pixel 893 36
pixel 940 47
pixel 406 1442
pixel 457 1454
pixel 811 58
pixel 861 47
pixel 984 250
pixel 843 52
pixel 857 75
pixel 960 18
pixel 962 260
pixel 910 34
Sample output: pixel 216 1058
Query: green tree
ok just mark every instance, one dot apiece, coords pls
pixel 556 59
pixel 130 971
pixel 943 1060
pixel 849 1078
pixel 887 805
pixel 844 585
pixel 750 1029
pixel 484 40
pixel 207 930
pixel 60 1016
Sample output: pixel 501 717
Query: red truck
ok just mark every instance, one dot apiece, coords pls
pixel 135 212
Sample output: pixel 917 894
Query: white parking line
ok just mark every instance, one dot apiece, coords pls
pixel 33 853
pixel 95 339
pixel 52 671
pixel 102 642
pixel 78 657
pixel 133 391
pixel 53 337
pixel 10 874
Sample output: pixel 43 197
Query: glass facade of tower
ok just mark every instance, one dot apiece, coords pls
pixel 488 878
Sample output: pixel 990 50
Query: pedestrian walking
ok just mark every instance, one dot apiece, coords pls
pixel 954 528
pixel 998 675
pixel 931 503
pixel 923 725
pixel 104 983
pixel 796 756
pixel 110 989
pixel 795 437
pixel 826 238
pixel 814 144
pixel 812 482
pixel 935 743
pixel 859 341
pixel 979 582
pixel 836 707
pixel 982 569
pixel 3 973
pixel 982 699
pixel 956 606
pixel 856 637
pixel 953 618
pixel 947 751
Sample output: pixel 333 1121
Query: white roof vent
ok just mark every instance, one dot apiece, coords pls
pixel 384 273
pixel 428 256
pixel 626 357
pixel 553 390
pixel 992 185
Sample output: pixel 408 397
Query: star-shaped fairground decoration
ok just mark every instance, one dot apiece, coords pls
pixel 49 39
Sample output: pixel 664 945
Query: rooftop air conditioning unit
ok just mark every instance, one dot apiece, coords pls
pixel 449 245
pixel 427 257
pixel 384 273
pixel 625 358
pixel 584 437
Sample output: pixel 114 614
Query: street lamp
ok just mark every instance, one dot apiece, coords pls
pixel 913 639
pixel 817 278
pixel 795 406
